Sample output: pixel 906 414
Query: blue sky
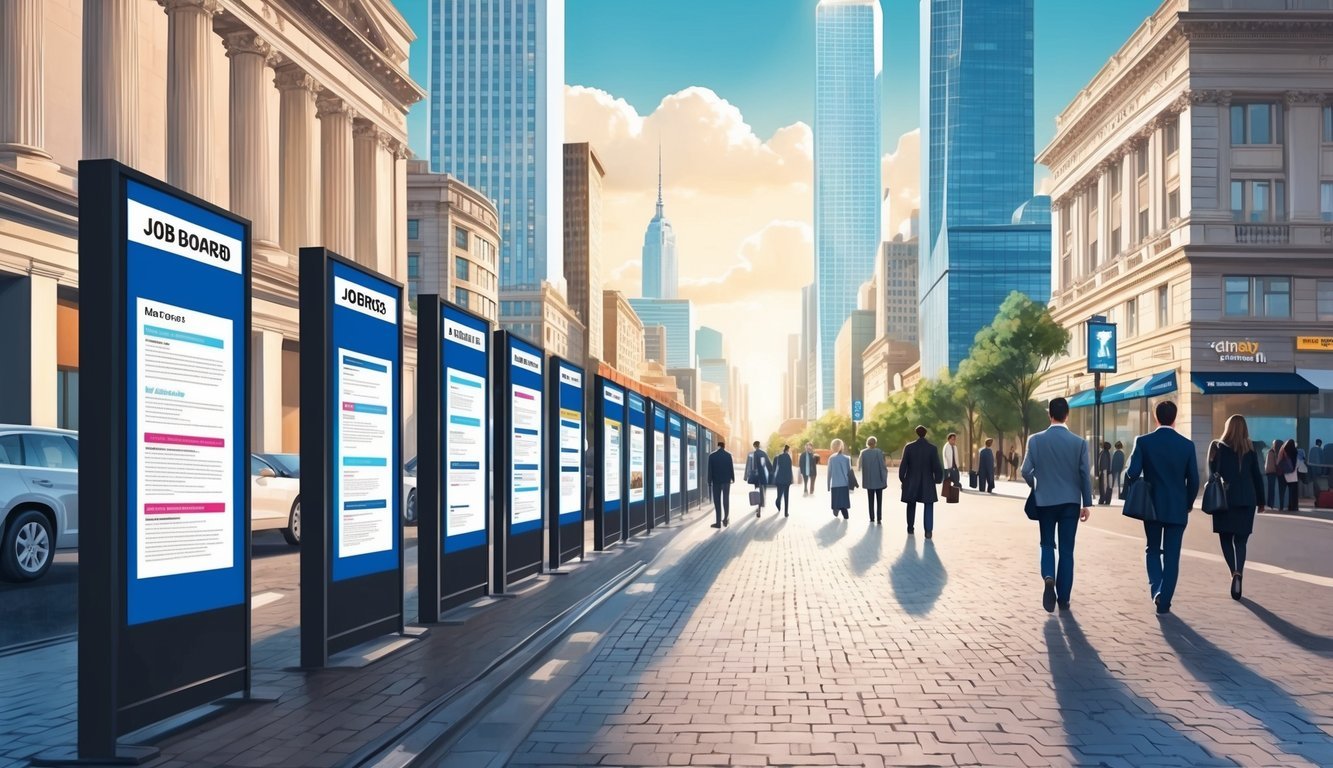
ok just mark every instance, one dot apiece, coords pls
pixel 759 54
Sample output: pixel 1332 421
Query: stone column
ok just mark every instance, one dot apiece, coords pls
pixel 1156 177
pixel 336 175
pixel 369 190
pixel 1128 186
pixel 400 155
pixel 266 386
pixel 1184 115
pixel 298 177
pixel 21 95
pixel 1105 216
pixel 28 314
pixel 190 94
pixel 250 194
pixel 1224 154
pixel 110 80
pixel 1305 128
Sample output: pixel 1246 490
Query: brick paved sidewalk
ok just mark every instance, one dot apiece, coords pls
pixel 811 641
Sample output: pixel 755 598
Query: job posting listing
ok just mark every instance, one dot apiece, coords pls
pixel 365 454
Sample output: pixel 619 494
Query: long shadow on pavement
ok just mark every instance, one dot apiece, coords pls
pixel 832 531
pixel 1100 712
pixel 866 552
pixel 1316 644
pixel 1232 682
pixel 918 578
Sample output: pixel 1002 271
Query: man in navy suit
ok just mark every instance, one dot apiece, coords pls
pixel 1056 468
pixel 1166 459
pixel 721 474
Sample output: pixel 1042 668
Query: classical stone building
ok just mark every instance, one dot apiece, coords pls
pixel 291 113
pixel 1193 206
pixel 622 334
pixel 544 318
pixel 583 241
pixel 453 241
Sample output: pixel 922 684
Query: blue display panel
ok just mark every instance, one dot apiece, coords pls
pixel 570 425
pixel 691 458
pixel 613 448
pixel 677 448
pixel 660 474
pixel 364 350
pixel 526 381
pixel 465 460
pixel 1102 353
pixel 638 422
pixel 186 459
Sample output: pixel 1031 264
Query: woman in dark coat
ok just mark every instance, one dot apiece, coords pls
pixel 782 478
pixel 1232 457
pixel 1291 478
pixel 1117 465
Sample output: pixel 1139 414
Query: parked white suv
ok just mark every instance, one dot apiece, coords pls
pixel 39 498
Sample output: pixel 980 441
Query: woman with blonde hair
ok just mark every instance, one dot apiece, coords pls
pixel 840 479
pixel 1232 457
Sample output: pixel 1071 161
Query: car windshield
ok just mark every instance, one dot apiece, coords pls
pixel 410 468
pixel 287 463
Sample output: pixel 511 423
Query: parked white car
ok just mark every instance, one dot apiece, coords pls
pixel 410 492
pixel 39 498
pixel 275 494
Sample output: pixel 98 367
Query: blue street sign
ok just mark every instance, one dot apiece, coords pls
pixel 1101 347
pixel 858 410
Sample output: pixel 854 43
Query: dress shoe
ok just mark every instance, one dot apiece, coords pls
pixel 715 525
pixel 1064 605
pixel 845 515
pixel 757 513
pixel 1048 595
pixel 927 534
pixel 784 514
pixel 1161 607
pixel 910 531
pixel 879 520
pixel 1235 586
pixel 726 521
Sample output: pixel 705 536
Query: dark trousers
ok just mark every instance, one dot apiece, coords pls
pixel 1163 559
pixel 986 482
pixel 1277 489
pixel 1233 550
pixel 1059 525
pixel 763 493
pixel 783 500
pixel 1293 495
pixel 928 517
pixel 722 501
pixel 810 483
pixel 875 497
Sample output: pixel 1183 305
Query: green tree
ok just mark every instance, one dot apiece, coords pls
pixel 1014 353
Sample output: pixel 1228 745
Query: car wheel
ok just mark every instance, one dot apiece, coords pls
pixel 292 533
pixel 410 510
pixel 28 547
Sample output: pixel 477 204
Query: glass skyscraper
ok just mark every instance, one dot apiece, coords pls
pixel 979 241
pixel 677 317
pixel 848 64
pixel 660 273
pixel 708 343
pixel 496 82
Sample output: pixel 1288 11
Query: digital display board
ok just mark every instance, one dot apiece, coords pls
pixel 365 339
pixel 691 457
pixel 465 460
pixel 570 404
pixel 526 372
pixel 637 417
pixel 659 453
pixel 609 463
pixel 1102 353
pixel 677 438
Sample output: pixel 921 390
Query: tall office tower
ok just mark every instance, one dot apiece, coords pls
pixel 980 237
pixel 497 75
pixel 848 63
pixel 677 317
pixel 660 272
pixel 708 343
pixel 810 351
pixel 583 241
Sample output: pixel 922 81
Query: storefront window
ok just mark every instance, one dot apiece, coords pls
pixel 1270 417
pixel 67 398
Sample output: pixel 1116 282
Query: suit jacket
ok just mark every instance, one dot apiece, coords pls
pixel 1245 481
pixel 986 462
pixel 721 469
pixel 874 472
pixel 782 474
pixel 1056 468
pixel 758 468
pixel 809 463
pixel 1167 459
pixel 920 471
pixel 839 470
pixel 950 457
pixel 1103 461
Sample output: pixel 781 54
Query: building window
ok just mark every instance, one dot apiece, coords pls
pixel 67 398
pixel 1171 137
pixel 1114 181
pixel 1258 200
pixel 1257 296
pixel 1326 200
pixel 460 268
pixel 1163 306
pixel 460 238
pixel 1143 224
pixel 1115 243
pixel 1141 159
pixel 1328 123
pixel 1132 317
pixel 1324 291
pixel 461 297
pixel 1173 204
pixel 1092 256
pixel 1257 123
pixel 413 229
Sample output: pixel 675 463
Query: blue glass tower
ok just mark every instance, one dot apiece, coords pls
pixel 660 273
pixel 980 237
pixel 497 122
pixel 848 64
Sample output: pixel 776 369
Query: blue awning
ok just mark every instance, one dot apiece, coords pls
pixel 1256 383
pixel 1147 386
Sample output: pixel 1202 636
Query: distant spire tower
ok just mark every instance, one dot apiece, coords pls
pixel 660 276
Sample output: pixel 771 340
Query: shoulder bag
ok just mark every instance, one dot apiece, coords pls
pixel 851 480
pixel 1215 490
pixel 1138 497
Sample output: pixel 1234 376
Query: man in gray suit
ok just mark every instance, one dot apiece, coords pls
pixel 1057 469
pixel 874 478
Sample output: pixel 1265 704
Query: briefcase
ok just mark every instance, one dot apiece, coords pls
pixel 950 491
pixel 971 478
pixel 755 498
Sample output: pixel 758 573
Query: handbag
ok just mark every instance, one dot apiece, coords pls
pixel 755 498
pixel 1214 491
pixel 851 481
pixel 949 490
pixel 1030 507
pixel 1138 498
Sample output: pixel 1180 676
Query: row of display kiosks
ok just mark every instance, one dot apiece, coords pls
pixel 164 582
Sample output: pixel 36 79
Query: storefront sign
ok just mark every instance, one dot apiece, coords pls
pixel 1245 351
pixel 1314 343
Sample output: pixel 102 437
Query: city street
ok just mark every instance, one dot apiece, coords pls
pixel 815 641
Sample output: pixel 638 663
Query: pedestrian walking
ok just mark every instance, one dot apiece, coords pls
pixel 1277 486
pixel 721 474
pixel 1117 467
pixel 758 470
pixel 1288 463
pixel 782 477
pixel 1317 460
pixel 809 468
pixel 1104 474
pixel 919 472
pixel 951 459
pixel 986 468
pixel 1232 458
pixel 874 478
pixel 1167 461
pixel 1015 465
pixel 1056 469
pixel 840 479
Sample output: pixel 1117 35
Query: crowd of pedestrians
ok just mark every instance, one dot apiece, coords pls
pixel 1159 482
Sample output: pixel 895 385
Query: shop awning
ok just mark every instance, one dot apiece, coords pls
pixel 1320 379
pixel 1156 384
pixel 1257 383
